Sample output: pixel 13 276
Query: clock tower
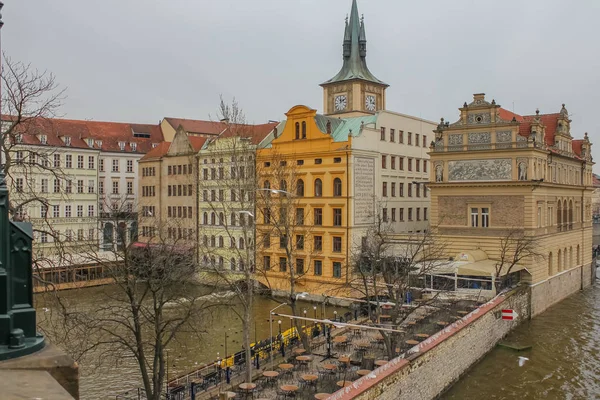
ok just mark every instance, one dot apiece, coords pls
pixel 354 91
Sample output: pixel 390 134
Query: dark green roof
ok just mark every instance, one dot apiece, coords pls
pixel 354 52
pixel 342 128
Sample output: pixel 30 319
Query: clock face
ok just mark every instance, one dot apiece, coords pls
pixel 340 102
pixel 370 103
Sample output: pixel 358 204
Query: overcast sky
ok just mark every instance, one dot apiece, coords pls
pixel 141 60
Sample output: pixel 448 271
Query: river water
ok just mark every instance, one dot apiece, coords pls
pixel 102 378
pixel 564 362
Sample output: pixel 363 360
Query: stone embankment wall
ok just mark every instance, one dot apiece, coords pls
pixel 435 364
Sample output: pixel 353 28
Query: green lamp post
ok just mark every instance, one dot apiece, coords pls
pixel 18 336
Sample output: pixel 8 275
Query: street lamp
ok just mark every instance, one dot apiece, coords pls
pixel 271 329
pixel 335 315
pixel 315 310
pixel 279 322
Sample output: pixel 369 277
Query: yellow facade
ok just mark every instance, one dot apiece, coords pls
pixel 304 161
pixel 495 172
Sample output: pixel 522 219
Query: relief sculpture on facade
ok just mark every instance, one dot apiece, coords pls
pixel 480 170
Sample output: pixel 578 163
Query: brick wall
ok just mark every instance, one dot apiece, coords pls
pixel 440 361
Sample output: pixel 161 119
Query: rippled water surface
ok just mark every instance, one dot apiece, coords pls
pixel 564 362
pixel 102 379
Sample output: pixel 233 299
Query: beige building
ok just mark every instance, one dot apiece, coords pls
pixel 495 172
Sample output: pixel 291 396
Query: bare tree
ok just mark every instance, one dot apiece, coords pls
pixel 227 243
pixel 387 267
pixel 285 219
pixel 515 248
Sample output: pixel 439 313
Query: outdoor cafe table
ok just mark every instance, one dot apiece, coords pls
pixel 230 395
pixel 363 372
pixel 247 387
pixel 304 358
pixel 286 367
pixel 271 375
pixel 340 339
pixel 299 352
pixel 289 388
pixel 310 379
pixel 344 359
pixel 330 367
pixel 322 396
pixel 344 383
pixel 380 363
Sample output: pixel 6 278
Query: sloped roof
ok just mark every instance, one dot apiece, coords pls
pixel 550 121
pixel 256 133
pixel 110 133
pixel 163 148
pixel 351 127
pixel 197 126
pixel 508 115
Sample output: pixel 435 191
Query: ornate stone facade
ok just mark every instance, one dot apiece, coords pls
pixel 480 170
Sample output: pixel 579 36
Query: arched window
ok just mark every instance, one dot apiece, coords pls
pixel 205 260
pixel 232 264
pixel 232 243
pixel 242 265
pixel 220 262
pixel 205 218
pixel 221 219
pixel 212 261
pixel 550 266
pixel 213 218
pixel 565 217
pixel 337 187
pixel 300 187
pixel 570 214
pixel 241 244
pixel 221 241
pixel 565 265
pixel 318 188
pixel 297 130
pixel 303 129
pixel 283 185
pixel 212 241
pixel 571 257
pixel 233 219
pixel 559 261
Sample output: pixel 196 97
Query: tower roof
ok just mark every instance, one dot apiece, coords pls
pixel 355 51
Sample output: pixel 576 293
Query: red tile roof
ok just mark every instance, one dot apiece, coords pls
pixel 110 133
pixel 550 121
pixel 508 115
pixel 577 146
pixel 163 148
pixel 197 126
pixel 256 133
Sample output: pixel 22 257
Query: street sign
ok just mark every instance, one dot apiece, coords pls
pixel 509 314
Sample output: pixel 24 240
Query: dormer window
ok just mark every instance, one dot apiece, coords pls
pixel 154 145
pixel 43 139
pixel 19 138
pixel 122 146
pixel 67 140
pixel 133 146
pixel 90 142
pixel 99 143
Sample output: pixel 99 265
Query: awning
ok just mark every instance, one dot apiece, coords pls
pixel 483 268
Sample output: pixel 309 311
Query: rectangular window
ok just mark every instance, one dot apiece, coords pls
pixel 382 133
pixel 69 161
pixel 300 216
pixel 300 242
pixel 393 215
pixel 318 243
pixel 401 163
pixel 384 189
pixel 129 165
pixel 44 185
pixel 401 214
pixel 485 217
pixel 393 162
pixel 337 244
pixel 90 211
pixel 474 217
pixel 418 165
pixel 56 211
pixel 418 214
pixel 282 241
pixel 267 263
pixel 80 211
pixel 19 184
pixel 67 211
pixel 337 217
pixel 101 187
pixel 318 161
pixel 385 215
pixel 68 186
pixel 383 161
pixel 410 164
pixel 393 189
pixel 115 187
pixel 299 265
pixel 424 165
pixel 56 186
pixel 80 186
pixel 425 216
pixel 282 264
pixel 115 165
pixel 409 138
pixel 424 141
pixel 400 136
pixel 392 135
pixel 410 189
pixel 318 267
pixel 337 269
pixel 402 189
pixel 101 165
pixel 91 162
pixel 417 138
pixel 318 213
pixel 418 190
pixel 80 162
pixel 410 216
pixel 56 161
pixel 129 187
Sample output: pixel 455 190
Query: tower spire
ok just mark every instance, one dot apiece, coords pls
pixel 354 51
